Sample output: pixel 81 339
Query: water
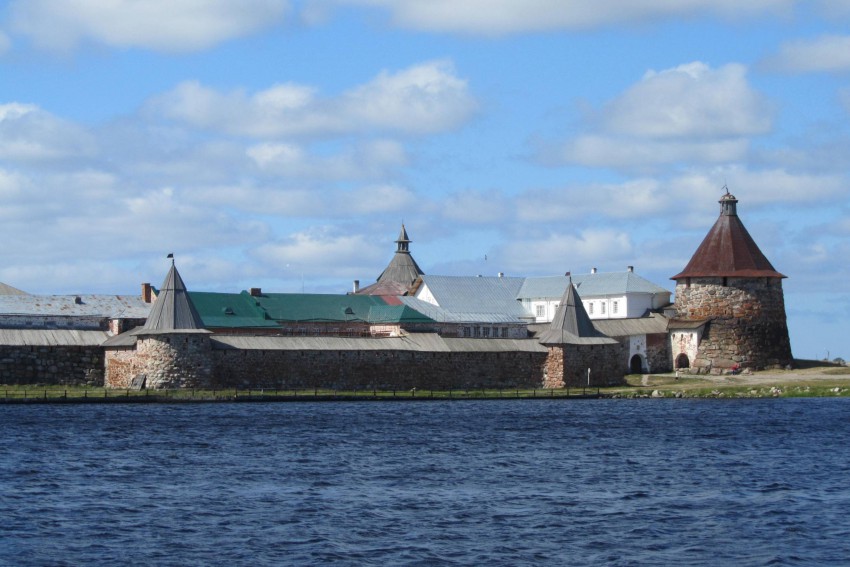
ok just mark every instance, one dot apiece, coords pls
pixel 610 482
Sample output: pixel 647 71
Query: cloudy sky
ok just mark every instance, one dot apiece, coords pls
pixel 281 143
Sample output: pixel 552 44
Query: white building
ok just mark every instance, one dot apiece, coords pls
pixel 614 295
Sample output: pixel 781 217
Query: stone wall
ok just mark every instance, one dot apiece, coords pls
pixel 567 365
pixel 658 355
pixel 385 370
pixel 747 321
pixel 70 365
pixel 172 360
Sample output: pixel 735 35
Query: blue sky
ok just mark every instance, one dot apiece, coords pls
pixel 280 144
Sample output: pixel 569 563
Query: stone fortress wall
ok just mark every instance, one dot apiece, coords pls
pixel 378 369
pixel 51 364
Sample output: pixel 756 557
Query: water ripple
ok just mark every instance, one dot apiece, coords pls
pixel 684 482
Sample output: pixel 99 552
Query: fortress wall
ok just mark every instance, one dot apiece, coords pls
pixel 658 355
pixel 385 370
pixel 70 365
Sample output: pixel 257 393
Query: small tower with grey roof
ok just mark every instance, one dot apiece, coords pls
pixel 576 347
pixel 172 350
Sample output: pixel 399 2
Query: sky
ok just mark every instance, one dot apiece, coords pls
pixel 282 143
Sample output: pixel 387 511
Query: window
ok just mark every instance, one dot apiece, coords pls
pixel 602 308
pixel 614 306
pixel 541 310
pixel 590 308
pixel 486 332
pixel 467 331
pixel 476 331
pixel 504 332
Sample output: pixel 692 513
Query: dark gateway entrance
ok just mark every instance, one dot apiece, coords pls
pixel 682 361
pixel 636 365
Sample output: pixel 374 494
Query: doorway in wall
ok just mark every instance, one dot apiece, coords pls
pixel 682 361
pixel 636 365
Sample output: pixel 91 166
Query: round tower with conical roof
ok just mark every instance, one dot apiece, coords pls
pixel 733 295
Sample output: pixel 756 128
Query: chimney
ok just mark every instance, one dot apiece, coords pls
pixel 568 274
pixel 356 286
pixel 630 268
pixel 147 294
pixel 256 292
pixel 592 270
pixel 78 300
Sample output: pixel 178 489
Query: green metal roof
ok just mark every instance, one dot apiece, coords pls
pixel 229 310
pixel 320 307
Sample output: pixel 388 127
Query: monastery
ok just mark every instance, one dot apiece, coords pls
pixel 413 330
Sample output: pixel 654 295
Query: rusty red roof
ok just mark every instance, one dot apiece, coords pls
pixel 728 250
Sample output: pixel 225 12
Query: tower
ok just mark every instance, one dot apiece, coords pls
pixel 400 274
pixel 173 350
pixel 579 354
pixel 734 291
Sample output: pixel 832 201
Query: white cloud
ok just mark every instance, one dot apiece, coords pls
pixel 767 186
pixel 568 251
pixel 477 207
pixel 499 17
pixel 632 199
pixel 834 8
pixel 28 133
pixel 421 99
pixel 365 160
pixel 828 53
pixel 322 250
pixel 634 153
pixel 162 25
pixel 304 202
pixel 692 101
pixel 5 43
pixel 687 114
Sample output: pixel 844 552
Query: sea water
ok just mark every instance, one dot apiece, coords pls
pixel 542 482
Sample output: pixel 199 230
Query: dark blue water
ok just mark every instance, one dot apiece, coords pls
pixel 613 482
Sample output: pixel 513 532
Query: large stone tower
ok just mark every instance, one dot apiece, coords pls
pixel 733 290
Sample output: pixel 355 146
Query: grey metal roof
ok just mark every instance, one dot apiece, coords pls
pixel 652 325
pixel 490 299
pixel 107 306
pixel 6 289
pixel 589 285
pixel 173 309
pixel 571 324
pixel 494 345
pixel 418 342
pixel 445 316
pixel 686 323
pixel 51 337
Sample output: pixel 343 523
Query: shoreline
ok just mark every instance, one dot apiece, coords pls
pixel 820 382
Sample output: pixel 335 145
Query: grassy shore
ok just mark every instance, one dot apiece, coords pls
pixel 808 379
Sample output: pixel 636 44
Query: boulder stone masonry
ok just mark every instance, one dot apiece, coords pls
pixel 747 323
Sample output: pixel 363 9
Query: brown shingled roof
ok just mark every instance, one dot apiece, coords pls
pixel 728 250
